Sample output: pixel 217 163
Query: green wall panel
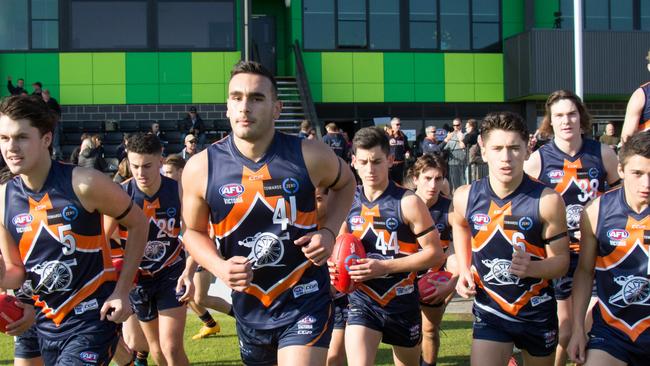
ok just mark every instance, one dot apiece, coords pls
pixel 313 67
pixel 141 68
pixel 75 69
pixel 340 92
pixel 398 68
pixel 368 92
pixel 544 10
pixel 337 67
pixel 394 92
pixel 175 68
pixel 368 67
pixel 316 92
pixel 207 67
pixel 431 92
pixel 459 68
pixel 230 59
pixel 489 92
pixel 43 67
pixel 109 68
pixel 76 94
pixel 488 68
pixel 176 93
pixel 109 94
pixel 142 93
pixel 459 92
pixel 208 93
pixel 513 17
pixel 429 68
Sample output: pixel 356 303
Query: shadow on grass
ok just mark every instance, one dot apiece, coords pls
pixel 6 362
pixel 220 363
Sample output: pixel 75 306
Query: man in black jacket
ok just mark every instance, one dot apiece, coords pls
pixel 18 89
pixel 193 125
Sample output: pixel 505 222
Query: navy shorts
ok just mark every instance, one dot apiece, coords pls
pixel 26 345
pixel 402 329
pixel 341 312
pixel 260 346
pixel 607 339
pixel 538 339
pixel 155 293
pixel 94 348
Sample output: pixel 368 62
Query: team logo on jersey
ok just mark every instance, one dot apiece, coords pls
pixel 573 216
pixel 617 236
pixel 155 250
pixel 54 276
pixel 635 290
pixel 356 222
pixel 536 300
pixel 555 175
pixel 267 249
pixel 231 193
pixel 499 274
pixel 290 186
pixel 22 221
pixel 480 221
pixel 171 212
pixel 88 356
pixel 593 173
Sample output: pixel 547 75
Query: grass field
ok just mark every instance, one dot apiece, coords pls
pixel 224 348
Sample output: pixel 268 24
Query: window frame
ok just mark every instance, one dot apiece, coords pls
pixel 636 17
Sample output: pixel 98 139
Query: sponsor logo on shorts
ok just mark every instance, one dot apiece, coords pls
pixel 555 176
pixel 86 306
pixel 231 193
pixel 404 290
pixel 88 356
pixel 305 332
pixel 536 300
pixel 308 320
pixel 480 221
pixel 304 289
pixel 550 338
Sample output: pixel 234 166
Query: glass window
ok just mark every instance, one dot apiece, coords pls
pixel 596 14
pixel 45 9
pixel 13 25
pixel 318 23
pixel 196 24
pixel 45 34
pixel 423 24
pixel 485 10
pixel 384 24
pixel 485 36
pixel 352 23
pixel 94 24
pixel 566 8
pixel 645 15
pixel 454 25
pixel 621 15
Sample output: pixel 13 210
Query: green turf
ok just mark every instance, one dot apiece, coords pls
pixel 224 348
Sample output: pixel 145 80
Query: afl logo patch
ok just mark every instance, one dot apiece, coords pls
pixel 391 223
pixel 525 223
pixel 22 219
pixel 555 175
pixel 617 235
pixel 480 221
pixel 232 190
pixel 290 185
pixel 70 213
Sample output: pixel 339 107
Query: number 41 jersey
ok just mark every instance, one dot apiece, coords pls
pixel 258 209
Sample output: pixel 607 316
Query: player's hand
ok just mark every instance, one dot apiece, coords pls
pixel 367 269
pixel 331 267
pixel 466 286
pixel 317 246
pixel 237 273
pixel 443 289
pixel 520 262
pixel 576 348
pixel 3 269
pixel 185 288
pixel 116 308
pixel 21 325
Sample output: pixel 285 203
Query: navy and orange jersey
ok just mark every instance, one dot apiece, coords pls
pixel 381 229
pixel 258 209
pixel 578 179
pixel 440 215
pixel 622 271
pixel 69 272
pixel 163 212
pixel 497 226
pixel 644 121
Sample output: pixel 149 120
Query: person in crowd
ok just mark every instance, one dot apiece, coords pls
pixel 609 138
pixel 123 172
pixel 90 156
pixel 193 125
pixel 74 156
pixel 37 88
pixel 190 148
pixel 305 127
pixel 122 148
pixel 312 135
pixel 429 145
pixel 457 156
pixel 57 154
pixel 399 149
pixel 19 89
pixel 155 130
pixel 336 141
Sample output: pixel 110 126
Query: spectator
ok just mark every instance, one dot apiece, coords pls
pixel 305 127
pixel 193 125
pixel 312 135
pixel 457 160
pixel 38 88
pixel 429 144
pixel 399 149
pixel 471 134
pixel 18 89
pixel 173 166
pixel 98 143
pixel 190 147
pixel 74 156
pixel 58 129
pixel 90 156
pixel 336 141
pixel 123 172
pixel 609 138
pixel 122 148
pixel 155 129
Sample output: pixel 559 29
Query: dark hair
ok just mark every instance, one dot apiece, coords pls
pixel 506 121
pixel 472 122
pixel 31 108
pixel 40 85
pixel 252 67
pixel 175 160
pixel 428 161
pixel 637 144
pixel 144 143
pixel 369 137
pixel 556 96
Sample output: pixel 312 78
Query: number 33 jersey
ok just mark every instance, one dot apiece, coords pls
pixel 258 209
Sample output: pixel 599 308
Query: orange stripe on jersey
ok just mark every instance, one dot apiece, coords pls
pixel 623 248
pixel 644 126
pixel 514 308
pixel 633 332
pixel 444 243
pixel 267 298
pixel 570 170
pixel 408 248
pixel 391 294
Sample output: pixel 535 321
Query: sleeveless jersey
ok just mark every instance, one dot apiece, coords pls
pixel 440 215
pixel 578 179
pixel 379 226
pixel 622 271
pixel 497 225
pixel 163 212
pixel 69 273
pixel 258 209
pixel 644 121
pixel 398 146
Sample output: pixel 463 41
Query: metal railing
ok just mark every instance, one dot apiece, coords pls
pixel 305 93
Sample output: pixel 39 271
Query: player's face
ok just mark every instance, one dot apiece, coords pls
pixel 429 183
pixel 252 107
pixel 145 169
pixel 172 172
pixel 372 166
pixel 636 179
pixel 22 145
pixel 565 119
pixel 505 153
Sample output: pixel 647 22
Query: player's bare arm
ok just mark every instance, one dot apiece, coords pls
pixel 326 170
pixel 235 272
pixel 583 280
pixel 556 263
pixel 462 243
pixel 93 189
pixel 12 270
pixel 633 114
pixel 533 165
pixel 185 281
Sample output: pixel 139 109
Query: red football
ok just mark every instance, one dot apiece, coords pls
pixel 9 311
pixel 347 250
pixel 425 288
pixel 118 262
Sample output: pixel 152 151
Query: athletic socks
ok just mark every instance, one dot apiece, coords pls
pixel 231 313
pixel 422 363
pixel 207 319
pixel 141 358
